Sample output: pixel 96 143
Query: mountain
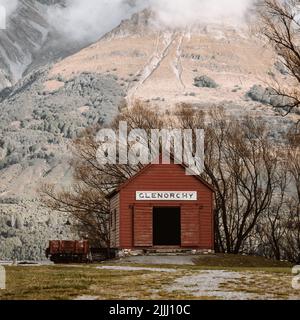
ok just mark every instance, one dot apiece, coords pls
pixel 29 41
pixel 204 65
pixel 162 65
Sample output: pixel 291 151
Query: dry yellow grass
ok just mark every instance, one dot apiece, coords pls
pixel 67 282
pixel 260 277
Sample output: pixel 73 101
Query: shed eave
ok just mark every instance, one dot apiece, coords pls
pixel 124 184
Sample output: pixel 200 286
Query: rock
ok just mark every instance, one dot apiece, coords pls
pixel 19 222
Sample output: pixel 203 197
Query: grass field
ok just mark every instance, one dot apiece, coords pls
pixel 242 277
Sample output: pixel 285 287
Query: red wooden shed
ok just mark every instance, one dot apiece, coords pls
pixel 161 208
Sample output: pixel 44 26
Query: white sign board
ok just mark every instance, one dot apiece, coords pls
pixel 166 196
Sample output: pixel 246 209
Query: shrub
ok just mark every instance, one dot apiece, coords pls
pixel 205 82
pixel 260 94
pixel 279 66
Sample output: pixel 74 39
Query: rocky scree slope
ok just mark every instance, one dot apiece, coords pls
pixel 205 65
pixel 38 118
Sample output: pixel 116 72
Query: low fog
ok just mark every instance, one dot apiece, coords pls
pixel 88 20
pixel 9 5
pixel 180 13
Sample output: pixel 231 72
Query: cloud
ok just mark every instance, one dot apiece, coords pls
pixel 6 8
pixel 9 5
pixel 179 13
pixel 87 20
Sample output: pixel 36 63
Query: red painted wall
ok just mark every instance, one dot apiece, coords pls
pixel 135 220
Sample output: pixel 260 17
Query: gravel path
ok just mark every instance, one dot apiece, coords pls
pixel 86 298
pixel 207 284
pixel 124 268
pixel 160 259
pixel 26 263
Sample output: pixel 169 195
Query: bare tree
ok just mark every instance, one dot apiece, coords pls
pixel 280 25
pixel 271 231
pixel 292 243
pixel 279 229
pixel 241 164
pixel 243 168
pixel 86 199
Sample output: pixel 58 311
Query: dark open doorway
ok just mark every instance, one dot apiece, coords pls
pixel 166 226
